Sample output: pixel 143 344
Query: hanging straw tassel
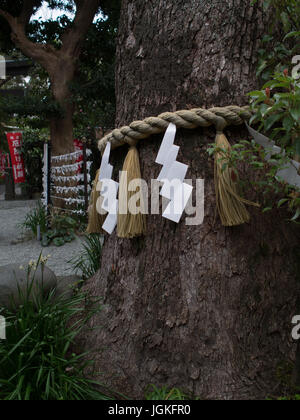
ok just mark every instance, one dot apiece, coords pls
pixel 130 225
pixel 230 205
pixel 95 219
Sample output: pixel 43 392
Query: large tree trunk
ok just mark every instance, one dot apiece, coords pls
pixel 204 308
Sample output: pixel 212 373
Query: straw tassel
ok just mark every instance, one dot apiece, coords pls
pixel 230 205
pixel 130 225
pixel 95 219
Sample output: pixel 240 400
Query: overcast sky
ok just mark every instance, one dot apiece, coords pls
pixel 45 13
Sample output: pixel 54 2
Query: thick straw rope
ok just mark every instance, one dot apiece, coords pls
pixel 190 119
pixel 230 205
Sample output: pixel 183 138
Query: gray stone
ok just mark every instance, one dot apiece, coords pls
pixel 14 284
pixel 11 214
pixel 24 237
pixel 66 286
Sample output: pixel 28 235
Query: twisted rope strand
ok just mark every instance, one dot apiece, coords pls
pixel 220 117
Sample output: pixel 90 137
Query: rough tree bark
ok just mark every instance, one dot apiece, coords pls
pixel 59 64
pixel 204 308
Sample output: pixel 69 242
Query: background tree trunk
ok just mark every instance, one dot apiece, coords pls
pixel 204 308
pixel 61 130
pixel 60 64
pixel 61 77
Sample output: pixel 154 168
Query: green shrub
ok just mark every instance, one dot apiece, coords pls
pixel 37 361
pixel 36 217
pixel 281 41
pixel 277 109
pixel 33 152
pixel 58 229
pixel 62 230
pixel 292 398
pixel 88 263
pixel 164 394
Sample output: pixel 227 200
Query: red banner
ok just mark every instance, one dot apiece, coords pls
pixel 4 163
pixel 15 143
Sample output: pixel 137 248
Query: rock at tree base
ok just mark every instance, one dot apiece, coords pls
pixel 66 286
pixel 14 284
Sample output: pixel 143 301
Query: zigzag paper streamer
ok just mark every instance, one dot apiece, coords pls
pixel 172 176
pixel 108 193
pixel 290 173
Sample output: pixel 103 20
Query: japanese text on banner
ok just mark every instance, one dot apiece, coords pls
pixel 15 143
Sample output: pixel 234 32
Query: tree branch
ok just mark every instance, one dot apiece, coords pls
pixel 9 18
pixel 27 10
pixel 74 37
pixel 42 53
pixel 54 61
pixel 3 82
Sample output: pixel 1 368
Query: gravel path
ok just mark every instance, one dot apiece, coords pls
pixel 14 212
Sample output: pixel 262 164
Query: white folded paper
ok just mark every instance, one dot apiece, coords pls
pixel 108 193
pixel 172 176
pixel 167 145
pixel 290 173
pixel 179 194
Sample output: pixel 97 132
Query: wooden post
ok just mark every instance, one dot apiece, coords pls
pixel 86 193
pixel 9 182
pixel 49 202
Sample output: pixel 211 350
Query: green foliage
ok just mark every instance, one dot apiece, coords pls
pixel 264 184
pixel 14 8
pixel 33 105
pixel 62 230
pixel 164 394
pixel 88 263
pixel 281 42
pixel 33 152
pixel 3 119
pixel 37 361
pixel 277 108
pixel 93 88
pixel 291 398
pixel 36 217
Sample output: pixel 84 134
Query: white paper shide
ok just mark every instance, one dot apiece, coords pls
pixel 290 173
pixel 172 176
pixel 108 193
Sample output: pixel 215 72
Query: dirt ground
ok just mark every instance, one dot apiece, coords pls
pixel 13 249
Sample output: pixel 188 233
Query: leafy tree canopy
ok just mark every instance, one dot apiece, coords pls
pixel 93 87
